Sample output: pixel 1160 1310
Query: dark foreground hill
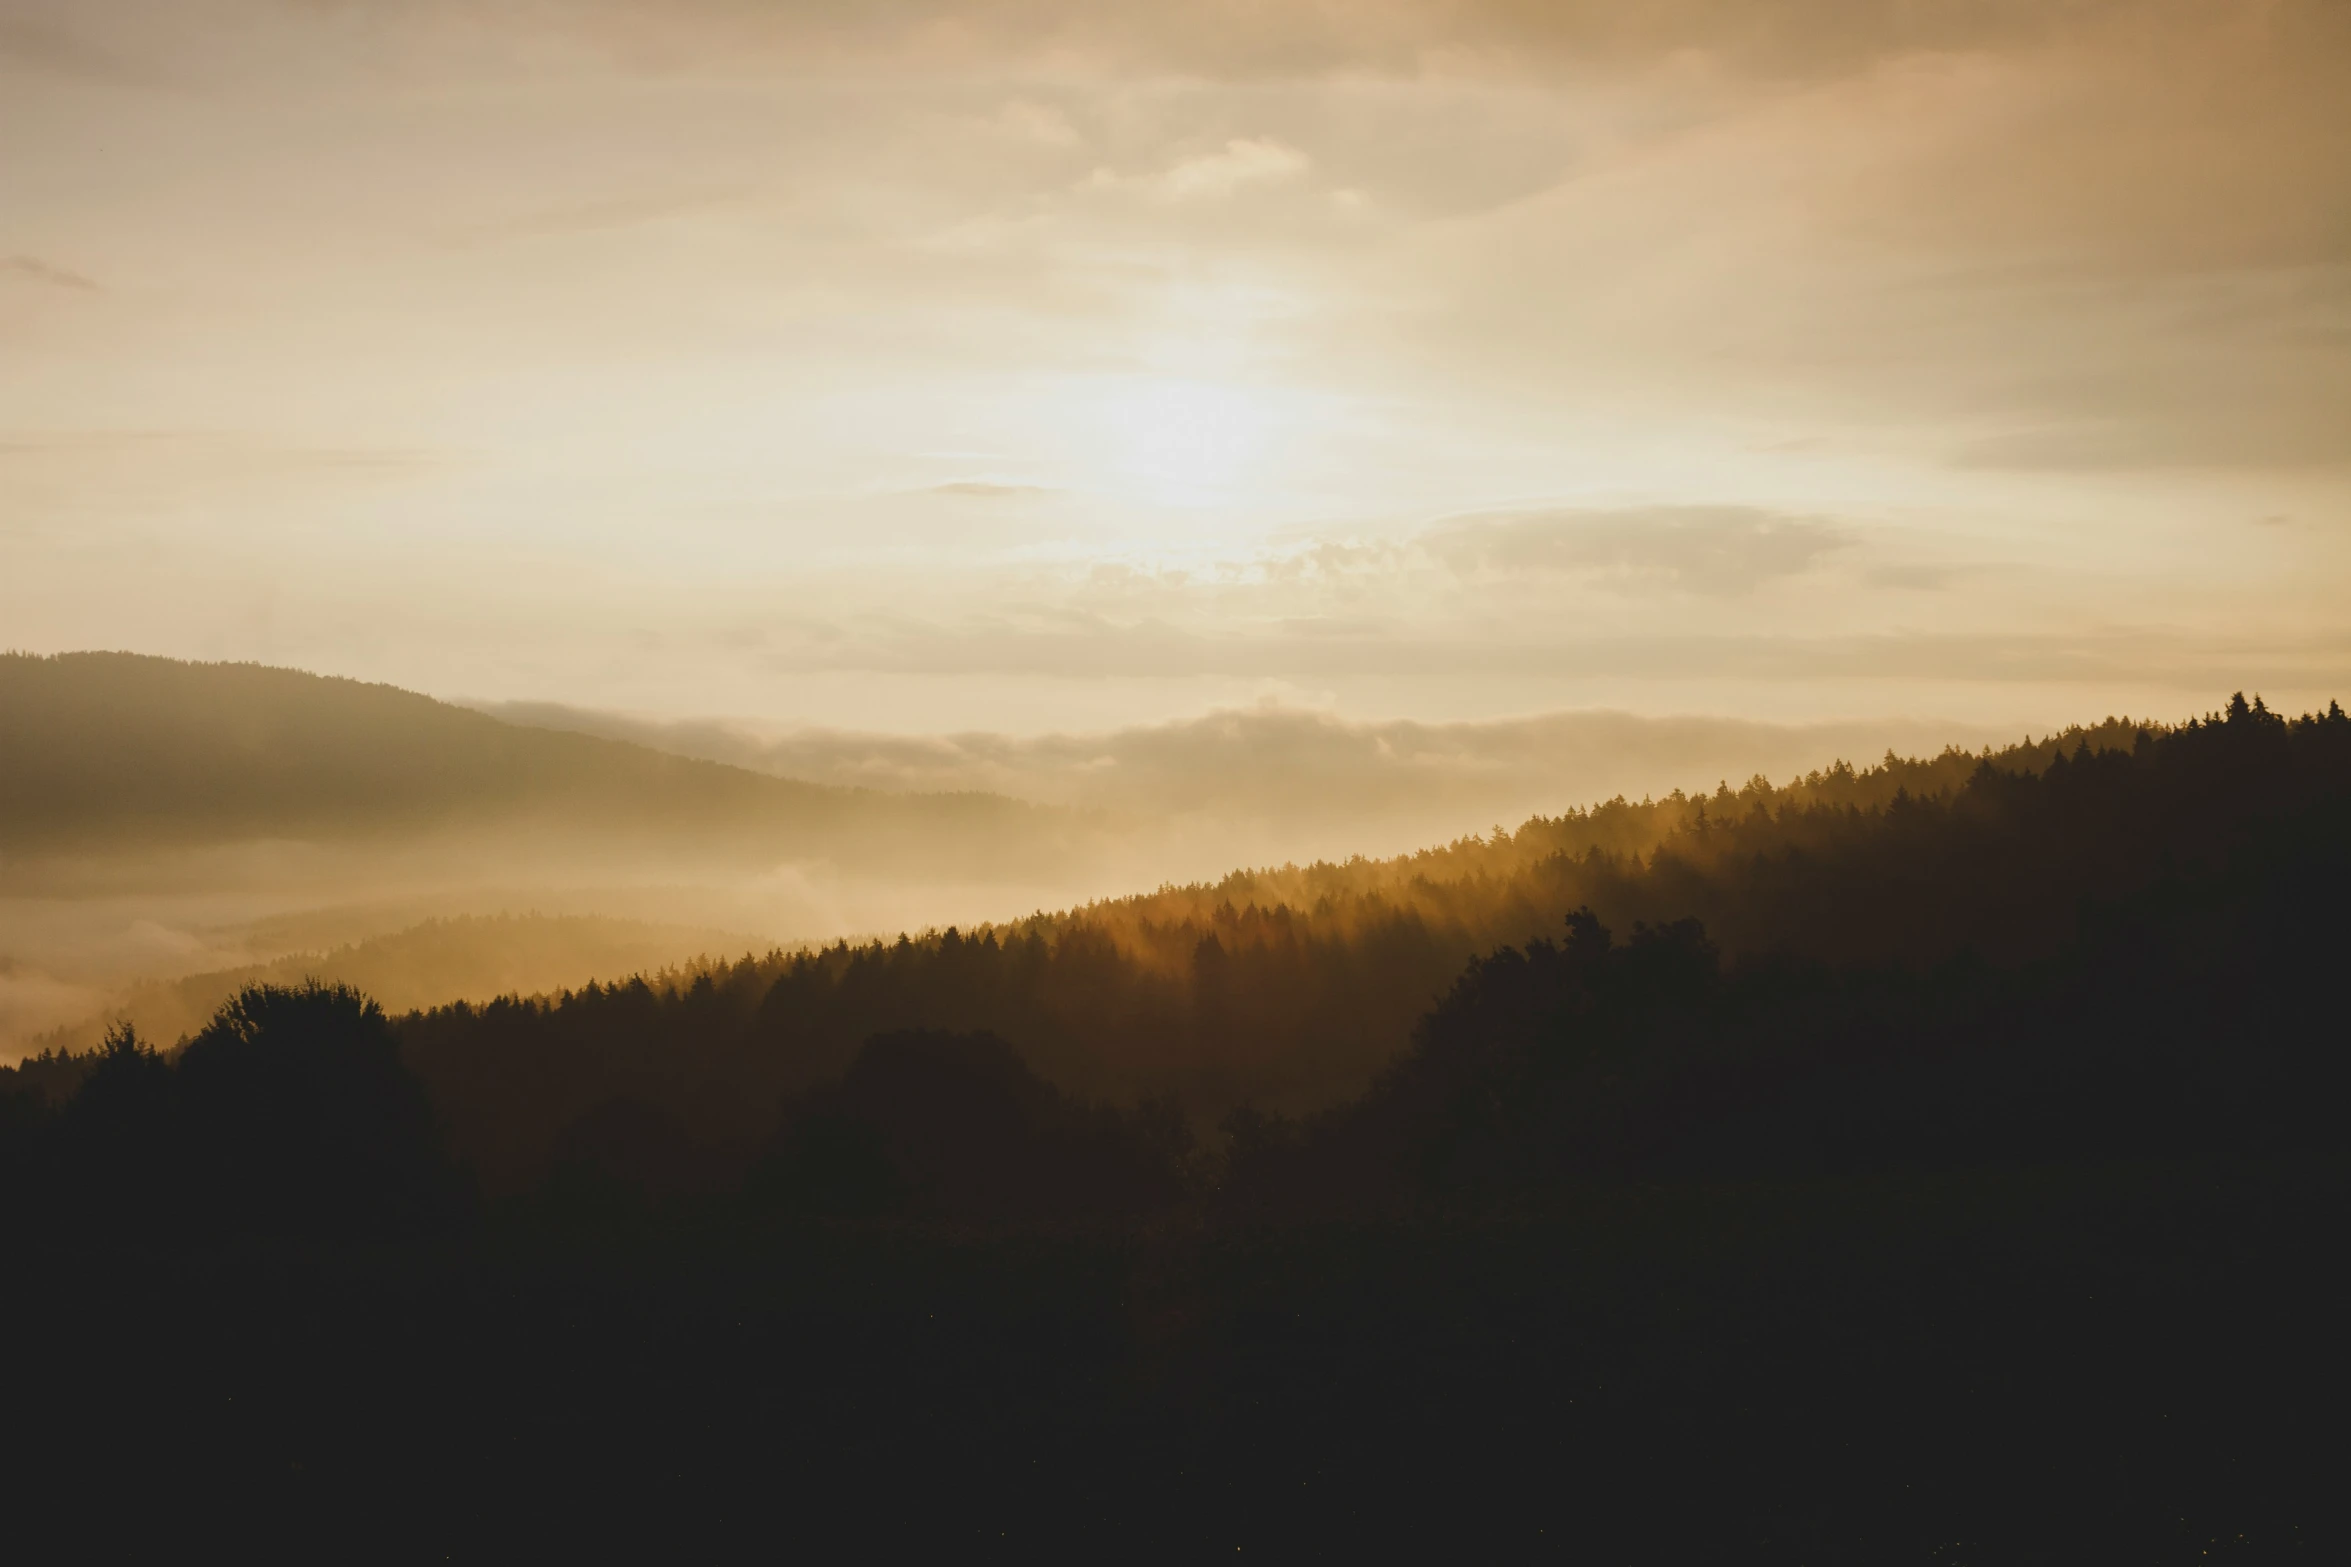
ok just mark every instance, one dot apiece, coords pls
pixel 1865 1175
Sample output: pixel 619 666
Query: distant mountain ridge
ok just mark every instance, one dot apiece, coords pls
pixel 1266 783
pixel 121 751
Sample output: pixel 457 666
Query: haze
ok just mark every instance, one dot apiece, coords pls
pixel 1034 367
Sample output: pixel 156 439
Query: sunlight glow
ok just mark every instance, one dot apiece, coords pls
pixel 1183 443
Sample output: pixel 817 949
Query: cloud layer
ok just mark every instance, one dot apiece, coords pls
pixel 1702 549
pixel 1035 363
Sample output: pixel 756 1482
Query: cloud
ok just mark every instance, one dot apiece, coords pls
pixel 1919 578
pixel 1717 550
pixel 1256 40
pixel 1243 161
pixel 1041 123
pixel 1325 652
pixel 2211 430
pixel 1992 262
pixel 184 452
pixel 29 43
pixel 980 489
pixel 598 215
pixel 33 269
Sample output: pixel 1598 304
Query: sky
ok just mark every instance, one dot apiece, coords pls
pixel 1033 366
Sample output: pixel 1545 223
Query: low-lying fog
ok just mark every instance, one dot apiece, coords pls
pixel 1267 784
pixel 161 934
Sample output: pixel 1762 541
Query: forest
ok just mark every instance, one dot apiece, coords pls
pixel 1941 1160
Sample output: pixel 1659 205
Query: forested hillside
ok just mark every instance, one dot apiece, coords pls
pixel 1947 1159
pixel 1289 989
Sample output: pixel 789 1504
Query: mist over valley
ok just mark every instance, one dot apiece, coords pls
pixel 161 820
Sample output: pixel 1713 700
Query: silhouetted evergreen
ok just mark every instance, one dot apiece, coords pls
pixel 290 1115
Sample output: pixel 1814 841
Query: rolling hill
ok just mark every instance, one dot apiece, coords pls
pixel 122 752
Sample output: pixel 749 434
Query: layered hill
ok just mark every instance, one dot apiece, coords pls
pixel 117 752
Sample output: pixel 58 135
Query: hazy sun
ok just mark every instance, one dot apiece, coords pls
pixel 1175 442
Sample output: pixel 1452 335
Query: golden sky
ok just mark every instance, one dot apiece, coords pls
pixel 1043 364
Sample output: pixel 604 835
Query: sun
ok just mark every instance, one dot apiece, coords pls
pixel 1181 442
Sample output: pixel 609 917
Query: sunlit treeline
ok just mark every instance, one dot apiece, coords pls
pixel 1454 882
pixel 1291 989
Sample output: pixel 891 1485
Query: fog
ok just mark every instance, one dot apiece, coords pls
pixel 1268 783
pixel 81 935
pixel 197 823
